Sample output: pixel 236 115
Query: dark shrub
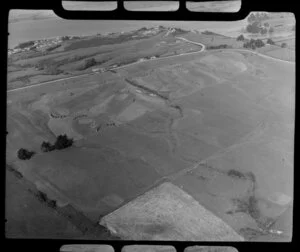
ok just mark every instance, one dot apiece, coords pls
pixel 63 142
pixel 65 38
pixel 240 38
pixel 284 45
pixel 46 147
pixel 24 154
pixel 222 46
pixel 259 43
pixel 88 63
pixel 254 44
pixel 270 42
pixel 25 44
pixel 253 28
pixel 264 31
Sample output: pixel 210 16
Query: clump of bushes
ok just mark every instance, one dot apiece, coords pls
pixel 88 63
pixel 240 38
pixel 46 147
pixel 65 38
pixel 270 42
pixel 62 142
pixel 284 45
pixel 222 46
pixel 256 25
pixel 24 154
pixel 25 44
pixel 44 198
pixel 254 43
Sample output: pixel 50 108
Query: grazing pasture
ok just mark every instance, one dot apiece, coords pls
pixel 174 143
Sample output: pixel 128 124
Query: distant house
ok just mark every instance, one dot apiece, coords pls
pixel 153 57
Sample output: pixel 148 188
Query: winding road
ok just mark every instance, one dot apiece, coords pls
pixel 154 59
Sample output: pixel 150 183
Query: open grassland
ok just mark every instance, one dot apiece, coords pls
pixel 107 51
pixel 217 124
pixel 283 53
pixel 27 217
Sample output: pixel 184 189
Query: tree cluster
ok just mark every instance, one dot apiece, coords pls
pixel 256 27
pixel 24 154
pixel 62 142
pixel 25 44
pixel 254 43
pixel 222 46
pixel 65 38
pixel 88 63
pixel 240 38
pixel 270 42
pixel 257 17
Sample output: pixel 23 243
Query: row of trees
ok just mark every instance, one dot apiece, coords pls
pixel 62 142
pixel 222 46
pixel 257 43
pixel 242 38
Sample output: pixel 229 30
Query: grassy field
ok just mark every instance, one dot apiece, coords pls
pixel 167 213
pixel 106 50
pixel 217 124
pixel 133 140
pixel 27 217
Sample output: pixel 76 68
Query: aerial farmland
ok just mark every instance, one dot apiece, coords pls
pixel 159 133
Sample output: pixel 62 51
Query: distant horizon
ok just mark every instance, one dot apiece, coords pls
pixel 23 26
